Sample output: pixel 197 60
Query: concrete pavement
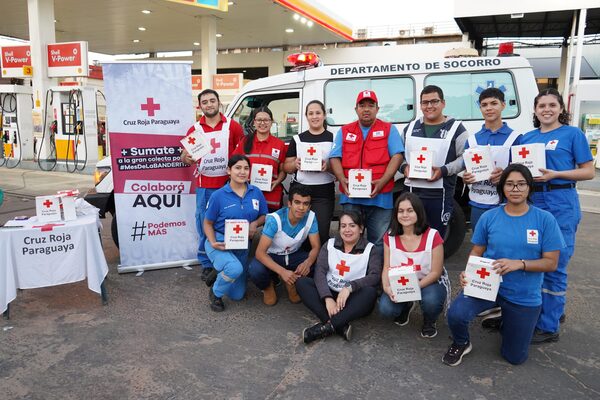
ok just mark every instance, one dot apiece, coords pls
pixel 158 339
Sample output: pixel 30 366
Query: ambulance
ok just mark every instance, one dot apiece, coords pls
pixel 397 83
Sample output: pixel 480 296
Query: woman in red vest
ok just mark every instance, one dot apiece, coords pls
pixel 265 152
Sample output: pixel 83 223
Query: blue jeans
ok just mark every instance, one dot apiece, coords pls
pixel 202 196
pixel 377 221
pixel 518 324
pixel 231 265
pixel 261 275
pixel 432 303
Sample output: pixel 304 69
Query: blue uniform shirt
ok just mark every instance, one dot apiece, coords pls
pixel 493 138
pixel 226 204
pixel 270 228
pixel 566 147
pixel 395 146
pixel 519 238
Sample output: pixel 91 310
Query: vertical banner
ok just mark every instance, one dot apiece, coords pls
pixel 149 106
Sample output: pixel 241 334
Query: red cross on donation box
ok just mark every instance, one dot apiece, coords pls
pixel 404 282
pixel 482 280
pixel 532 155
pixel 359 183
pixel 236 234
pixel 420 164
pixel 310 157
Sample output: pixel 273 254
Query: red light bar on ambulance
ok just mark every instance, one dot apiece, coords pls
pixel 303 60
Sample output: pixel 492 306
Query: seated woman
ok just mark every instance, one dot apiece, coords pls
pixel 525 242
pixel 410 241
pixel 236 200
pixel 346 277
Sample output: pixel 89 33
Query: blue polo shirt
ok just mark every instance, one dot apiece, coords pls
pixel 519 238
pixel 226 204
pixel 270 228
pixel 395 146
pixel 486 136
pixel 570 148
pixel 494 138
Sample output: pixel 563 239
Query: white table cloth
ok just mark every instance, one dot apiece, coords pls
pixel 47 254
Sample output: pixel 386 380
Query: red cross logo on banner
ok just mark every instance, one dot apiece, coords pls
pixel 47 227
pixel 47 203
pixel 342 267
pixel 237 229
pixel 359 177
pixel 523 153
pixel 411 263
pixel 215 145
pixel 403 280
pixel 421 158
pixel 482 273
pixel 150 107
pixel 262 171
pixel 311 151
pixel 191 140
pixel 476 158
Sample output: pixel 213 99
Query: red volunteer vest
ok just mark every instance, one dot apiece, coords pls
pixel 371 154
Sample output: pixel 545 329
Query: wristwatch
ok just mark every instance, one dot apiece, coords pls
pixel 348 286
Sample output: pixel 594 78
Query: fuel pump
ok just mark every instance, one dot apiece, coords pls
pixel 70 128
pixel 16 125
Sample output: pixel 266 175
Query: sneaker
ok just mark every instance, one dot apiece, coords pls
pixel 493 310
pixel 216 303
pixel 317 331
pixel 455 353
pixel 269 295
pixel 429 330
pixel 493 323
pixel 347 332
pixel 403 318
pixel 211 277
pixel 540 337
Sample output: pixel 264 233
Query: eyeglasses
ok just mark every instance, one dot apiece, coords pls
pixel 427 103
pixel 510 186
pixel 262 121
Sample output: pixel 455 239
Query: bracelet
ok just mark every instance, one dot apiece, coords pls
pixel 524 266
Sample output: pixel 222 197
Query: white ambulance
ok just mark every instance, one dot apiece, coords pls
pixel 397 84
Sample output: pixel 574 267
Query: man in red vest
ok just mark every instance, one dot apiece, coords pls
pixel 368 143
pixel 223 134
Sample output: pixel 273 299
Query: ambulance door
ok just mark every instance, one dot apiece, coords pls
pixel 396 97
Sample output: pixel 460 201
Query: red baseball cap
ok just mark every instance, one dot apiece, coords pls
pixel 366 94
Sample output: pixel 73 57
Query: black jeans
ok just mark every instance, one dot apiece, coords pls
pixel 322 204
pixel 359 303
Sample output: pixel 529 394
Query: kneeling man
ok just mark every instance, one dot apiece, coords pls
pixel 279 249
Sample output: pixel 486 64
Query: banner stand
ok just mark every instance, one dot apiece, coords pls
pixel 123 269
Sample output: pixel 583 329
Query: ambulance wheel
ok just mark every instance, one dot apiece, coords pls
pixel 113 230
pixel 457 229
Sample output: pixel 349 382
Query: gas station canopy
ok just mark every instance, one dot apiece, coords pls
pixel 111 26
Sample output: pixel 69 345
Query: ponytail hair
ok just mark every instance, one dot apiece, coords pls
pixel 252 133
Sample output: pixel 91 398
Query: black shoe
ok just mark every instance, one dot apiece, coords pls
pixel 429 330
pixel 211 277
pixel 204 273
pixel 403 318
pixel 562 318
pixel 494 323
pixel 318 331
pixel 455 353
pixel 347 332
pixel 216 303
pixel 540 337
